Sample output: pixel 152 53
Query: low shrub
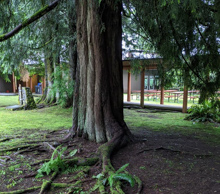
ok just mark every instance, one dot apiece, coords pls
pixel 207 111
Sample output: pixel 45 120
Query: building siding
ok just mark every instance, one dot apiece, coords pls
pixel 6 86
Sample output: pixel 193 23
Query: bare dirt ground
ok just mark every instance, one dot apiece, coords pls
pixel 166 163
pixel 172 164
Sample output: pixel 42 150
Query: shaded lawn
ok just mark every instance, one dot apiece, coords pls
pixel 171 122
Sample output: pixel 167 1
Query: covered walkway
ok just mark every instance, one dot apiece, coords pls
pixel 8 94
pixel 154 106
pixel 151 64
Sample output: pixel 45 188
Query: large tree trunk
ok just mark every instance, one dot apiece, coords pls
pixel 98 100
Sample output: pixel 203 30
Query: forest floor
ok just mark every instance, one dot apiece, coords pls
pixel 169 161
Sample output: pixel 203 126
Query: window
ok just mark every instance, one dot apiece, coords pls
pixel 151 84
pixel 146 82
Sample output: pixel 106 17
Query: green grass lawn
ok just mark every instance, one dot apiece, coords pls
pixel 171 122
pixel 18 122
pixel 8 100
pixel 54 118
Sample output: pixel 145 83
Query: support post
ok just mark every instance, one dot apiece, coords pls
pixel 185 92
pixel 185 97
pixel 129 87
pixel 162 86
pixel 13 83
pixel 162 95
pixel 26 83
pixel 43 85
pixel 142 87
pixel 31 87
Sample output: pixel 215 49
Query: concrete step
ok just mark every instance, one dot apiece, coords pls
pixel 14 107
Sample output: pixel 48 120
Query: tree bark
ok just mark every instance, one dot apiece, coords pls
pixel 72 46
pixel 98 100
pixel 47 96
pixel 72 41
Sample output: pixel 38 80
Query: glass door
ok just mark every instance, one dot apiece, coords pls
pixel 151 84
pixel 146 82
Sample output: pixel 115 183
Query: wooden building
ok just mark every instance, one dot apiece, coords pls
pixel 12 86
pixel 147 79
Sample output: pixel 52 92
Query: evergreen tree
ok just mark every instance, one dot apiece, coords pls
pixel 45 40
pixel 186 34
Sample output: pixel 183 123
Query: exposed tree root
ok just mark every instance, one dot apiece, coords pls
pixel 176 151
pixel 140 184
pixel 7 158
pixel 74 161
pixel 42 140
pixel 81 161
pixel 69 136
pixel 16 148
pixel 39 162
pixel 49 146
pixel 5 139
pixel 30 147
pixel 108 170
pixel 44 188
pixel 22 190
pixel 39 149
pixel 27 175
pixel 47 184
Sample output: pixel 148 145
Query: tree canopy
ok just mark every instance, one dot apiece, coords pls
pixel 37 33
pixel 185 34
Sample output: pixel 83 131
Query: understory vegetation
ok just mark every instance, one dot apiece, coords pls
pixel 33 159
pixel 207 111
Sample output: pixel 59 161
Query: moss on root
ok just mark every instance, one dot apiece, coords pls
pixel 22 190
pixel 82 161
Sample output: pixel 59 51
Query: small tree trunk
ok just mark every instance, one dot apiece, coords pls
pixel 72 46
pixel 47 96
pixel 72 41
pixel 98 100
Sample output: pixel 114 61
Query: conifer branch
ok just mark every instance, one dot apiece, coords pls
pixel 30 20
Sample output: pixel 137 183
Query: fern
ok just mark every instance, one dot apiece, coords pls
pixel 76 168
pixel 54 165
pixel 126 177
pixel 122 168
pixel 120 174
pixel 208 111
